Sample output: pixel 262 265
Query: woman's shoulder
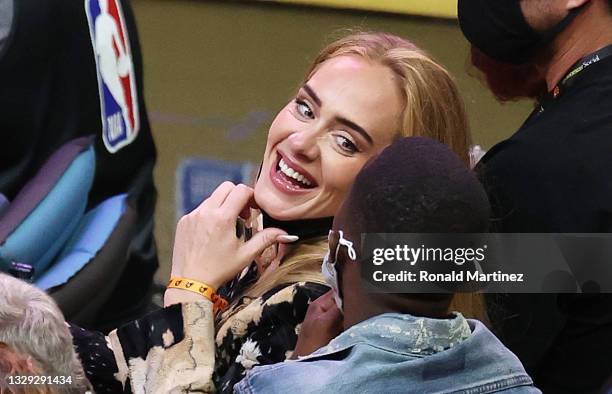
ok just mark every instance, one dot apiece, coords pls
pixel 284 305
pixel 262 330
pixel 286 302
pixel 294 292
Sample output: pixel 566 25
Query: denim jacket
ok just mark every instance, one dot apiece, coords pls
pixel 399 353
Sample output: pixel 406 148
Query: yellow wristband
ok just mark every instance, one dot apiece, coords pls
pixel 200 288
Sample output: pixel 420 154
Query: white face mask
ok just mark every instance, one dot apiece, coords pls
pixel 328 269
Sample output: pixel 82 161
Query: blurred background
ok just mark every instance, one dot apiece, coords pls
pixel 216 73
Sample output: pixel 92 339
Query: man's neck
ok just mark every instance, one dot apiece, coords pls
pixel 359 307
pixel 589 32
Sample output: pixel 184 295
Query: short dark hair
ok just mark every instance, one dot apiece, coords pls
pixel 418 185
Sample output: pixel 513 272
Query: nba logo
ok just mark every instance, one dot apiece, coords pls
pixel 116 80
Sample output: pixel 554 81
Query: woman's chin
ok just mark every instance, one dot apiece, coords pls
pixel 282 206
pixel 276 204
pixel 280 212
pixel 288 213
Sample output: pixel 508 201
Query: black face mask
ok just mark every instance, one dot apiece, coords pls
pixel 498 28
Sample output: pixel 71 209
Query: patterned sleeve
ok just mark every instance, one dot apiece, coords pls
pixel 170 350
pixel 264 332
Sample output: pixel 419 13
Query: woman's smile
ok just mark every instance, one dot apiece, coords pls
pixel 291 178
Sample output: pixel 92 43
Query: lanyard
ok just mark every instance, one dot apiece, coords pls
pixel 576 69
pixel 569 79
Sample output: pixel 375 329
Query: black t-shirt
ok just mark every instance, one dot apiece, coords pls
pixel 555 175
pixel 50 68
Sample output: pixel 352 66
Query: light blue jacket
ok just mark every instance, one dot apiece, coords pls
pixel 398 353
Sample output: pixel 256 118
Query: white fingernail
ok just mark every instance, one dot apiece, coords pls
pixel 287 238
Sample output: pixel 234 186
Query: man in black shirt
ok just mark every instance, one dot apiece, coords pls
pixel 70 68
pixel 555 173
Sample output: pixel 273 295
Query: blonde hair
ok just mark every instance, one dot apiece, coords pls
pixel 432 105
pixel 432 108
pixel 301 264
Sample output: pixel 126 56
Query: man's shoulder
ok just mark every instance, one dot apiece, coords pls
pixel 480 362
pixel 301 292
pixel 288 376
pixel 575 143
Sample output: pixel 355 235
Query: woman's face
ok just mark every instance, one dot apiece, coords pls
pixel 347 112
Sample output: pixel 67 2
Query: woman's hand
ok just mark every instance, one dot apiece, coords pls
pixel 323 322
pixel 206 248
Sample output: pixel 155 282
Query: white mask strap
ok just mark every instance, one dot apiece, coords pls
pixel 349 246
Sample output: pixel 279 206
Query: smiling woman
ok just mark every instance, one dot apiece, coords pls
pixel 343 115
pixel 361 93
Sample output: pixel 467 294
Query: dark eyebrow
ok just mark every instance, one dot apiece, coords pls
pixel 344 121
pixel 357 128
pixel 312 94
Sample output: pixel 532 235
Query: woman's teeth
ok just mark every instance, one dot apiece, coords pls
pixel 291 173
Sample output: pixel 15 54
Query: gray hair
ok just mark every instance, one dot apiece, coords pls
pixel 31 323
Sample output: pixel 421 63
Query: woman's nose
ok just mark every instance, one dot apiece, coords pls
pixel 304 144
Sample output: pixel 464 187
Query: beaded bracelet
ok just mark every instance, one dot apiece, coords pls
pixel 200 288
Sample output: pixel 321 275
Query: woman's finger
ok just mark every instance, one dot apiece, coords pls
pixel 222 191
pixel 246 213
pixel 260 241
pixel 237 201
pixel 274 264
pixel 326 301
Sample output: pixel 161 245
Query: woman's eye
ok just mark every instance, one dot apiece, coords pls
pixel 303 109
pixel 345 144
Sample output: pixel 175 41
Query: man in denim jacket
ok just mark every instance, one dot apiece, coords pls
pixel 396 343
